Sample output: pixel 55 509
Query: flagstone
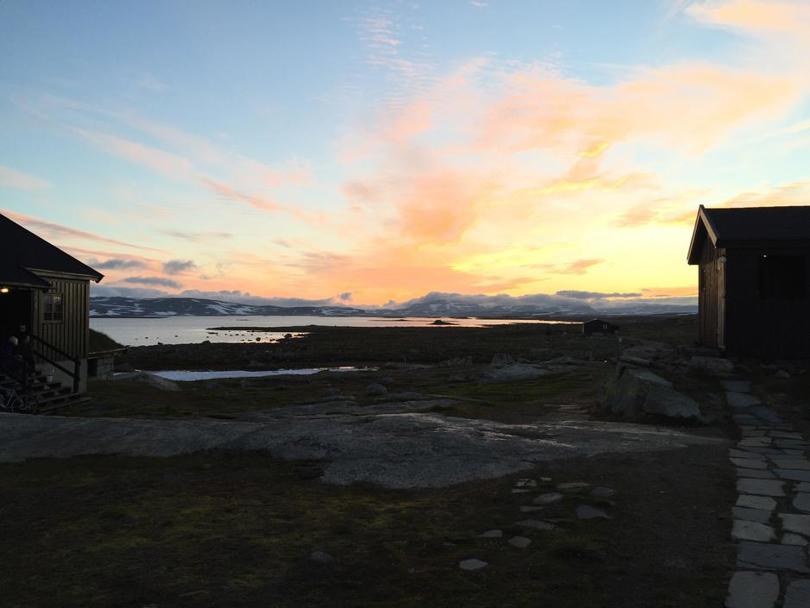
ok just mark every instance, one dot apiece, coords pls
pixel 759 515
pixel 793 522
pixel 802 502
pixel 755 473
pixel 797 594
pixel 790 538
pixel 760 487
pixel 764 503
pixel 793 474
pixel 788 463
pixel 751 530
pixel 753 590
pixel 749 463
pixel 767 556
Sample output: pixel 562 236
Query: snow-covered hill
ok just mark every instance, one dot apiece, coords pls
pixel 431 305
pixel 169 307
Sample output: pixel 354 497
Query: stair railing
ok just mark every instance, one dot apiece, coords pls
pixel 39 345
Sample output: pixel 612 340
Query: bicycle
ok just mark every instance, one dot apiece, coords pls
pixel 12 401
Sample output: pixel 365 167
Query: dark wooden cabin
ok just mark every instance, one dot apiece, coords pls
pixel 44 293
pixel 754 280
pixel 598 326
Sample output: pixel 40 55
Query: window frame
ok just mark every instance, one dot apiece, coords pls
pixel 53 307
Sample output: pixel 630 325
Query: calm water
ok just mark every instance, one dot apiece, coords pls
pixel 191 376
pixel 189 330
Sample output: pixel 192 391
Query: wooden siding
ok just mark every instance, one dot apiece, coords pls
pixel 709 291
pixel 764 327
pixel 72 333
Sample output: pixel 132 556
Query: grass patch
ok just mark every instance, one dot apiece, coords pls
pixel 219 528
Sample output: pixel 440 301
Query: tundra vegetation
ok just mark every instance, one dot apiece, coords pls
pixel 247 528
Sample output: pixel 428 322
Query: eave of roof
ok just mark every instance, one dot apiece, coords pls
pixel 703 222
pixel 21 277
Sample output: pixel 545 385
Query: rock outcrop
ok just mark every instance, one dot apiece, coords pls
pixel 638 392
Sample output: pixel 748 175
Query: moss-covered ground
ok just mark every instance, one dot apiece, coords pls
pixel 223 529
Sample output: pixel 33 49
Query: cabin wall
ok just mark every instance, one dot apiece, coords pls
pixel 708 295
pixel 764 327
pixel 71 334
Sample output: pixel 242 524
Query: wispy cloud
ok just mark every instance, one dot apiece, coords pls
pixel 11 178
pixel 60 232
pixel 150 82
pixel 158 281
pixel 177 155
pixel 669 292
pixel 178 266
pixel 197 236
pixel 757 17
pixel 116 264
pixel 576 267
pixel 162 162
pixel 410 69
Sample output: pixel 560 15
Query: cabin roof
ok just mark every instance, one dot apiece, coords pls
pixel 749 227
pixel 22 251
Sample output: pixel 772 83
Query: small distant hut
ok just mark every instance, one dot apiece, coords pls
pixel 598 326
pixel 754 280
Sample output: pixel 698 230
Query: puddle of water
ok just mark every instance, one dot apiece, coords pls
pixel 190 376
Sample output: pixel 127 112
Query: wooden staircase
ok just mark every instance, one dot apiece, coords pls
pixel 42 396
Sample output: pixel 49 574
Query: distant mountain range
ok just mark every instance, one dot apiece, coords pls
pixel 431 305
pixel 172 307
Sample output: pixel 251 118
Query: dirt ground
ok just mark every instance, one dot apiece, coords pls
pixel 238 529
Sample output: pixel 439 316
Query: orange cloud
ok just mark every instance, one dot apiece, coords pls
pixel 794 193
pixel 689 105
pixel 579 266
pixel 674 210
pixel 756 16
pixel 455 185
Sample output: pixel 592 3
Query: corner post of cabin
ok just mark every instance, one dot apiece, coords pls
pixel 721 298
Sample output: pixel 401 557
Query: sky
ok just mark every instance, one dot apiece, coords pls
pixel 364 152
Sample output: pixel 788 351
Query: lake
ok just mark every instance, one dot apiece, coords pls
pixel 191 330
pixel 193 376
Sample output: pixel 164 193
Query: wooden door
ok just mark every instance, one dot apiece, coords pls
pixel 721 301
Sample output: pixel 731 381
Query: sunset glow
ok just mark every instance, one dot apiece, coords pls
pixel 363 152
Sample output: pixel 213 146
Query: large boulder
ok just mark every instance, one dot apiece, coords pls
pixel 502 360
pixel 636 392
pixel 715 366
pixel 648 351
pixel 514 372
pixel 375 389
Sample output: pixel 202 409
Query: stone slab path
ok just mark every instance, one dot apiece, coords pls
pixel 772 512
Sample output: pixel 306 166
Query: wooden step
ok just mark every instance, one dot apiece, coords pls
pixel 48 396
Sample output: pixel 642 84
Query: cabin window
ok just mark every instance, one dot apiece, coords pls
pixel 782 277
pixel 52 309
